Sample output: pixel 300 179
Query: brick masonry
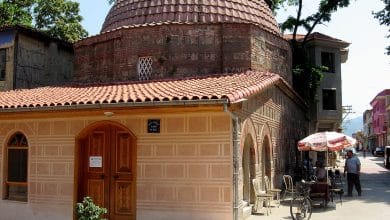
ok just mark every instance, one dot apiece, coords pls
pixel 180 50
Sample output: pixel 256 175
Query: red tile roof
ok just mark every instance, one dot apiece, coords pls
pixel 228 88
pixel 135 12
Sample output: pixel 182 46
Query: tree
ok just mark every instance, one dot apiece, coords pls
pixel 306 76
pixel 58 18
pixel 16 12
pixel 384 18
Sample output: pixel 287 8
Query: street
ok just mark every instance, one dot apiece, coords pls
pixel 373 204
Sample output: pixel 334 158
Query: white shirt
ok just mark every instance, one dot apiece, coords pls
pixel 352 164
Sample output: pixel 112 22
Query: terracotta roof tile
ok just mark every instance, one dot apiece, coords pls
pixel 130 12
pixel 229 87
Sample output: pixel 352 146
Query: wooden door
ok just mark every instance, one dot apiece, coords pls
pixel 107 174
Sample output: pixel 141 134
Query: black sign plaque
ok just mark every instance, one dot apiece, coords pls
pixel 153 125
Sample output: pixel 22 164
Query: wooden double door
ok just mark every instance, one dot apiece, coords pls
pixel 107 170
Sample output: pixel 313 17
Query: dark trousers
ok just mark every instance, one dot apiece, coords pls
pixel 353 179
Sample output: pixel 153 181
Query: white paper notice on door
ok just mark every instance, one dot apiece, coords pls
pixel 95 161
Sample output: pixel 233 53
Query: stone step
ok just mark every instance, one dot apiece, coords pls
pixel 247 211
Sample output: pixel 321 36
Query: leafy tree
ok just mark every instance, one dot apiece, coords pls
pixel 307 76
pixel 384 18
pixel 58 18
pixel 16 12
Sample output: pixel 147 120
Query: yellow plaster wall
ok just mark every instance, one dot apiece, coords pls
pixel 186 168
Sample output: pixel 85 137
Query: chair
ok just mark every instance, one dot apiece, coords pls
pixel 261 197
pixel 337 179
pixel 320 192
pixel 274 191
pixel 289 186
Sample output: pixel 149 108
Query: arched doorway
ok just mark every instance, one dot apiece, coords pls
pixel 106 165
pixel 249 169
pixel 266 158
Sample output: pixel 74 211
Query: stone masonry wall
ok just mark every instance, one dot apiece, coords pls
pixel 41 63
pixel 287 124
pixel 180 50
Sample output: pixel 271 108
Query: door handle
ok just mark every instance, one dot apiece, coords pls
pixel 116 176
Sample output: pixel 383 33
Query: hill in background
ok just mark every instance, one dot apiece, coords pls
pixel 352 125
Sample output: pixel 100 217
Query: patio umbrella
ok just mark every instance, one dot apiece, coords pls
pixel 326 141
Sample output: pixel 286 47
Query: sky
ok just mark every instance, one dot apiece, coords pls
pixel 367 69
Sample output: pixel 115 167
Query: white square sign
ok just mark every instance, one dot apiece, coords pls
pixel 95 161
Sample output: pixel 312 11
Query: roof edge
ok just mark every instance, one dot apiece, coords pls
pixel 117 105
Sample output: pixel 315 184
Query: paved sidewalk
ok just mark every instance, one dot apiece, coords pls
pixel 372 205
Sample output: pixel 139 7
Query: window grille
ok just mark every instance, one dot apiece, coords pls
pixel 145 68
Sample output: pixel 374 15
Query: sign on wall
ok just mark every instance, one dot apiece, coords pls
pixel 153 125
pixel 95 161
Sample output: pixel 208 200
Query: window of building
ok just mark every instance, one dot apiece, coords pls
pixel 3 54
pixel 329 99
pixel 145 68
pixel 16 168
pixel 327 59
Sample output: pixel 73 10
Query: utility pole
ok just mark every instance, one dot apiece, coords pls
pixel 347 109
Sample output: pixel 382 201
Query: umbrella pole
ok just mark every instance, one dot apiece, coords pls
pixel 327 163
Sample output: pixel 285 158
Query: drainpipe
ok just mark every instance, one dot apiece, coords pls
pixel 236 160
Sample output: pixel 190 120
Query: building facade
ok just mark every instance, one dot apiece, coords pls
pixel 29 59
pixel 368 134
pixel 379 117
pixel 174 109
pixel 329 52
pixel 326 114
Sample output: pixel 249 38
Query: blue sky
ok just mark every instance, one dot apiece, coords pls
pixel 367 69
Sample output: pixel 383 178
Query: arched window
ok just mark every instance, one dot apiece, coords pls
pixel 16 168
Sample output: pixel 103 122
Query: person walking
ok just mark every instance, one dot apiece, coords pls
pixel 352 168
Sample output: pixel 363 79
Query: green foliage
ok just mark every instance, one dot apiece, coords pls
pixel 58 18
pixel 87 210
pixel 16 12
pixel 384 18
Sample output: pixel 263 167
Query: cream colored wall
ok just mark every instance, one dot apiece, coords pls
pixel 184 171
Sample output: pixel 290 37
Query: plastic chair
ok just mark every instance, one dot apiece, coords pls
pixel 289 186
pixel 261 197
pixel 274 191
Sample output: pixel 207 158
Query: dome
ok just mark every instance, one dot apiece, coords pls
pixel 138 12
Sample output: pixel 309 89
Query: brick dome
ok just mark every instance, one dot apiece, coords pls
pixel 138 12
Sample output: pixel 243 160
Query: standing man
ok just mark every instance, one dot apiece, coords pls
pixel 352 168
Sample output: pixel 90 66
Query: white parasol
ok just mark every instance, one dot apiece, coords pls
pixel 326 141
